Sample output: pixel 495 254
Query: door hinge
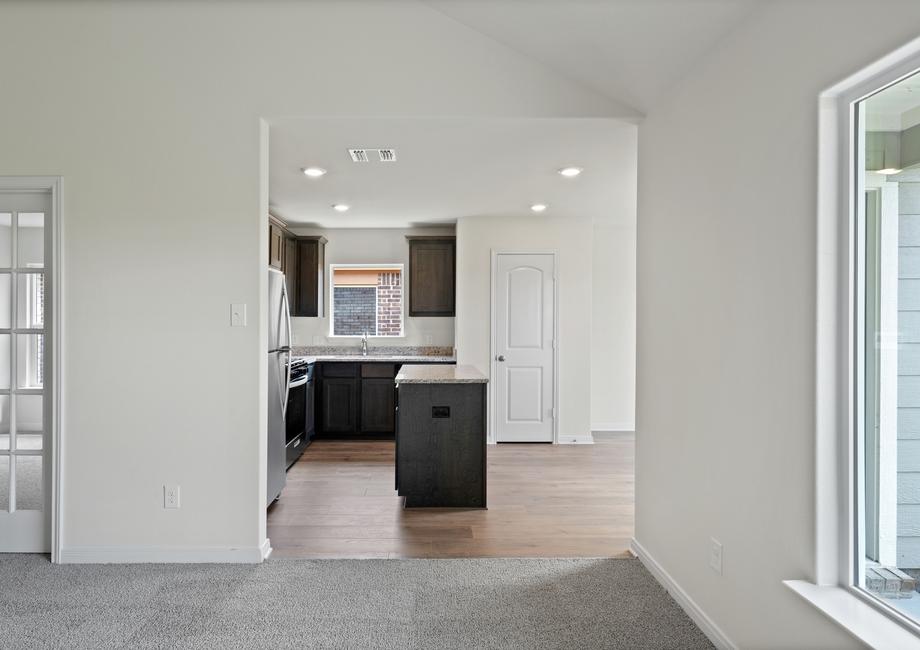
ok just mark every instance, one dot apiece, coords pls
pixel 552 412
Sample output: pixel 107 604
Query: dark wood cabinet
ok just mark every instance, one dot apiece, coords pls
pixel 378 405
pixel 356 399
pixel 275 246
pixel 441 445
pixel 311 263
pixel 339 404
pixel 378 397
pixel 289 268
pixel 302 259
pixel 432 276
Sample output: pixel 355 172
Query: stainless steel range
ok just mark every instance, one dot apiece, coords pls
pixel 299 429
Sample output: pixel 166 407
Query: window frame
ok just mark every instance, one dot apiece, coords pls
pixel 330 273
pixel 840 198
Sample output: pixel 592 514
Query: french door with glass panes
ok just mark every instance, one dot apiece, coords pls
pixel 24 442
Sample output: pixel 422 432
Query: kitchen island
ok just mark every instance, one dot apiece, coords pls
pixel 441 436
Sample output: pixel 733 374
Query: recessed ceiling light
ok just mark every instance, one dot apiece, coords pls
pixel 889 171
pixel 570 172
pixel 314 172
pixel 340 207
pixel 538 207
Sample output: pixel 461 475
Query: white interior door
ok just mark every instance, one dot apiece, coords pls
pixel 523 361
pixel 24 440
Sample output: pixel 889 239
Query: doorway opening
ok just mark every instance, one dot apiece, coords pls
pixel 399 254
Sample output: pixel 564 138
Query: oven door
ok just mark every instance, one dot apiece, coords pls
pixel 295 426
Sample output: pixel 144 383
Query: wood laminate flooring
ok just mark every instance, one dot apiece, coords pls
pixel 544 501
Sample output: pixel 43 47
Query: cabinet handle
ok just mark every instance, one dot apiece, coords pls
pixel 500 357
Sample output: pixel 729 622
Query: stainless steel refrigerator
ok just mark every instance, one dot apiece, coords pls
pixel 279 379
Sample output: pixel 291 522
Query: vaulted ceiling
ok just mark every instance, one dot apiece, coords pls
pixel 630 50
pixel 620 56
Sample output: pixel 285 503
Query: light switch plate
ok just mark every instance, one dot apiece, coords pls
pixel 238 314
pixel 715 555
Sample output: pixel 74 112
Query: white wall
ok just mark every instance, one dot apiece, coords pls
pixel 726 313
pixel 570 238
pixel 373 246
pixel 613 326
pixel 150 112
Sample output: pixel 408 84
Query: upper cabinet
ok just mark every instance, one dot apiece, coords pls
pixel 311 264
pixel 275 246
pixel 302 259
pixel 432 276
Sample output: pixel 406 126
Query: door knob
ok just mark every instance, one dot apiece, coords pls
pixel 500 357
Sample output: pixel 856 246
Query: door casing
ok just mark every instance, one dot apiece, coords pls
pixel 493 397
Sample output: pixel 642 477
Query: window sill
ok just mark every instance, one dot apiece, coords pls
pixel 857 617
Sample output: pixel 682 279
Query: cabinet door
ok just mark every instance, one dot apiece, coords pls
pixel 290 270
pixel 275 246
pixel 310 268
pixel 432 274
pixel 378 405
pixel 339 401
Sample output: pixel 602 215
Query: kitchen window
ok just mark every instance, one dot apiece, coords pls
pixel 366 299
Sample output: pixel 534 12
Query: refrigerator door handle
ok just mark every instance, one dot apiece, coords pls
pixel 286 308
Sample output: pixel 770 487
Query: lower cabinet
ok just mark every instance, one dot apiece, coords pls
pixel 378 406
pixel 339 405
pixel 355 399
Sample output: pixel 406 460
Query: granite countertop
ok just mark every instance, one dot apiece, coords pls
pixel 419 354
pixel 440 375
pixel 399 358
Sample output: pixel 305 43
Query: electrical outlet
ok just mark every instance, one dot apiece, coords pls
pixel 715 555
pixel 238 314
pixel 171 496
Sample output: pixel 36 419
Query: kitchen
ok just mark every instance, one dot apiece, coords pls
pixel 348 390
pixel 379 285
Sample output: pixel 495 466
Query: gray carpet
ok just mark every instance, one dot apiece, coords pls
pixel 340 604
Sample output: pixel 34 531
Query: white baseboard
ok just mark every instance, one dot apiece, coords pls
pixel 614 426
pixel 576 440
pixel 164 554
pixel 694 611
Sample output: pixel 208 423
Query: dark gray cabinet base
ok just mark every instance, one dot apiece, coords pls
pixel 357 399
pixel 441 445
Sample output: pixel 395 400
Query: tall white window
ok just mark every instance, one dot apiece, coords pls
pixel 887 347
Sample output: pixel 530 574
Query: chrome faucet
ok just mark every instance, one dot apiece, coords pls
pixel 364 344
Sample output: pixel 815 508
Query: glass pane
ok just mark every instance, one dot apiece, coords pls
pixel 28 482
pixel 6 303
pixel 4 483
pixel 888 279
pixel 30 312
pixel 29 415
pixel 29 441
pixel 5 418
pixel 6 240
pixel 30 360
pixel 5 341
pixel 31 239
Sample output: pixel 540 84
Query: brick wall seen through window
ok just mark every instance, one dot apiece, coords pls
pixel 367 299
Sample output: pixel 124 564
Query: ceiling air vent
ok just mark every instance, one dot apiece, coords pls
pixel 387 155
pixel 358 155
